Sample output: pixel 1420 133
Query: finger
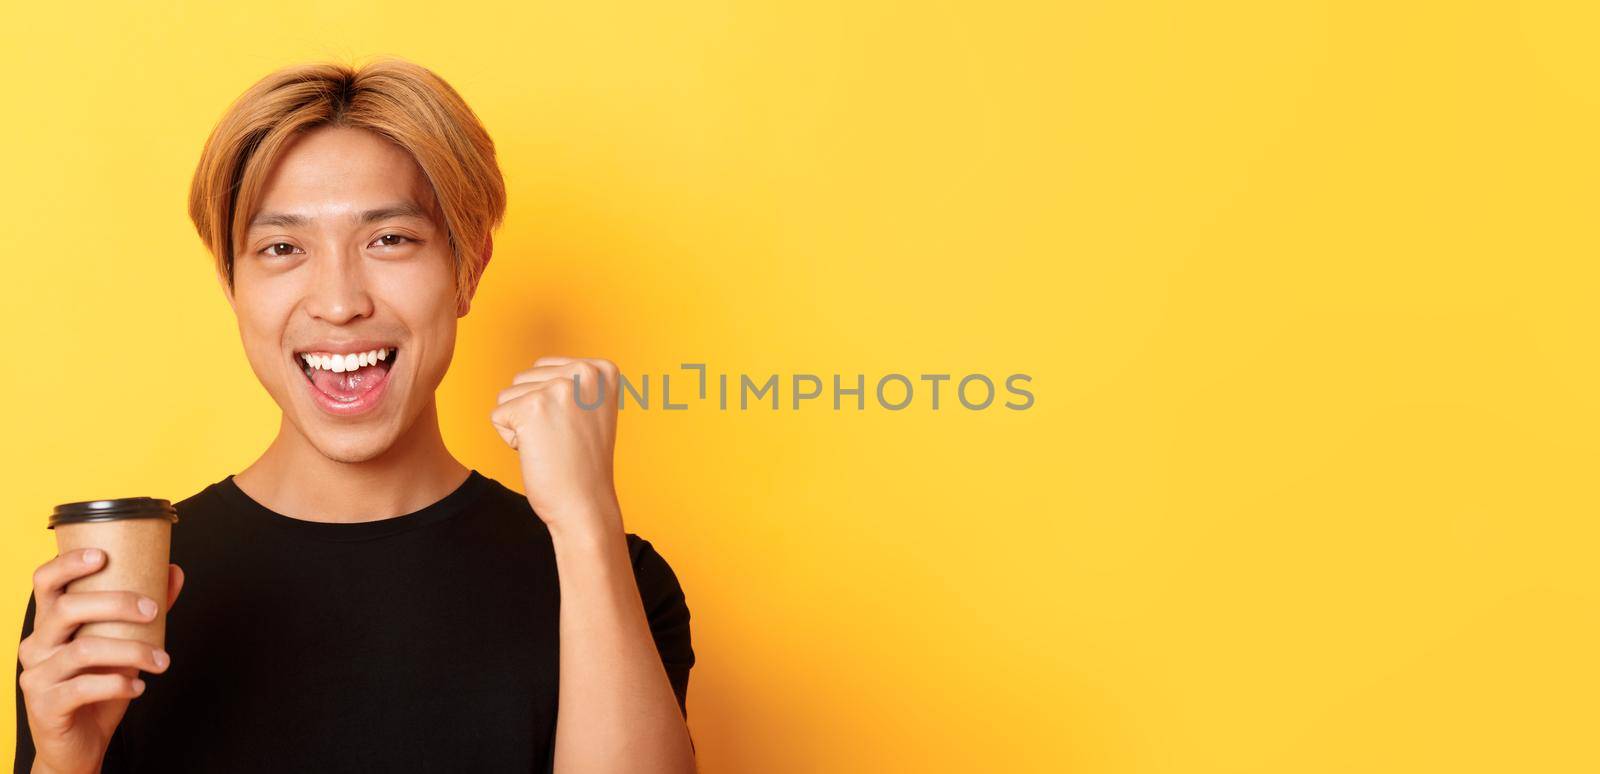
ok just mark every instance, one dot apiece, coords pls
pixel 566 365
pixel 87 653
pixel 65 698
pixel 174 584
pixel 609 378
pixel 77 608
pixel 51 578
pixel 591 378
pixel 594 381
pixel 516 391
pixel 545 373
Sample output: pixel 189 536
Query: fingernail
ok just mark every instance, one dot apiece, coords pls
pixel 91 556
pixel 138 686
pixel 148 607
pixel 160 657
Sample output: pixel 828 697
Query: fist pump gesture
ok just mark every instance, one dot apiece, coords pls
pixel 565 447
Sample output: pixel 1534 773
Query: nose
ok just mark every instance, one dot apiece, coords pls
pixel 338 292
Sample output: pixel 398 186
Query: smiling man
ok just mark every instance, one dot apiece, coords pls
pixel 357 598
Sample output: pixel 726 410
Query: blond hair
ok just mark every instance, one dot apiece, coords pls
pixel 403 102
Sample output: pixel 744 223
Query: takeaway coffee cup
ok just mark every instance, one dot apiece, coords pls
pixel 136 535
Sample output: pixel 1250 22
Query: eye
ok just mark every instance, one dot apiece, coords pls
pixel 398 240
pixel 273 251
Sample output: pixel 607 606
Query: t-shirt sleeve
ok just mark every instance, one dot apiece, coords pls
pixel 23 762
pixel 668 612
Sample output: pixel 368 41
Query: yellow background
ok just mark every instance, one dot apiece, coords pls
pixel 1306 290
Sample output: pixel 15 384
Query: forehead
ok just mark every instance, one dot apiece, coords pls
pixel 329 172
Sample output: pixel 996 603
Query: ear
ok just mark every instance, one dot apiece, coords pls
pixel 488 252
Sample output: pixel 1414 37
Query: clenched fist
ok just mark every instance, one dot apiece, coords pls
pixel 565 446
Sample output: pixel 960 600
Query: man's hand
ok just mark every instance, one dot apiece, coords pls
pixel 566 448
pixel 76 689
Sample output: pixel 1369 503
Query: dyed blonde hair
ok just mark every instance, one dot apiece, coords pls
pixel 403 102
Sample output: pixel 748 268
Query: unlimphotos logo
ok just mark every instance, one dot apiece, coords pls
pixel 893 391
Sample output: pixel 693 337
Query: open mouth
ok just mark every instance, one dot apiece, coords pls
pixel 346 380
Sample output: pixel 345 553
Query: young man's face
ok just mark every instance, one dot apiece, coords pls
pixel 345 259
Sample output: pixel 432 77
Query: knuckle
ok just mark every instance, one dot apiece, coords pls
pixel 84 651
pixel 66 606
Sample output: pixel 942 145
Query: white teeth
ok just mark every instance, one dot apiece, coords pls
pixel 342 363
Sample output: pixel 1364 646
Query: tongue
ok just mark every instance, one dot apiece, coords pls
pixel 349 385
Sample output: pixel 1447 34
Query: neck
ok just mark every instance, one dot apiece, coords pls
pixel 294 478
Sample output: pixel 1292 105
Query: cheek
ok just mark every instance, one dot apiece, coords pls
pixel 436 339
pixel 423 296
pixel 261 324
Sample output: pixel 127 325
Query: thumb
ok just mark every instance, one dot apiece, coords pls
pixel 174 584
pixel 507 433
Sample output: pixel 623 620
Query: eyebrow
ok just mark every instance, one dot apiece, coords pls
pixel 287 219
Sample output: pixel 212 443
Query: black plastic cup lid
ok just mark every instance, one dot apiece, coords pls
pixel 113 510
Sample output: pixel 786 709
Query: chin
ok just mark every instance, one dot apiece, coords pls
pixel 347 442
pixel 350 447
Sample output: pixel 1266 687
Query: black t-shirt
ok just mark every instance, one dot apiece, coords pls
pixel 424 642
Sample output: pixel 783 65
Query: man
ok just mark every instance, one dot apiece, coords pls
pixel 357 598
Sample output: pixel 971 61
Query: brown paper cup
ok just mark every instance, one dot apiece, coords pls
pixel 136 535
